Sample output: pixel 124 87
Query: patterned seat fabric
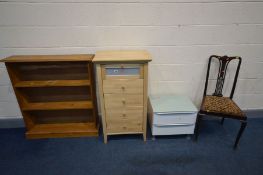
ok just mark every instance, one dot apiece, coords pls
pixel 223 105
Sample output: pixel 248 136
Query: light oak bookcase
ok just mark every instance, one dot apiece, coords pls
pixel 56 94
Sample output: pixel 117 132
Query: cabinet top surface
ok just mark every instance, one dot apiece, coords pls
pixel 172 104
pixel 47 58
pixel 122 56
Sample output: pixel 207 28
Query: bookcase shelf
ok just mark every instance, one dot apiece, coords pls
pixel 62 130
pixel 57 105
pixel 56 94
pixel 50 83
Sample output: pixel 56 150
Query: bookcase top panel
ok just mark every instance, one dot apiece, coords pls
pixel 48 58
pixel 122 56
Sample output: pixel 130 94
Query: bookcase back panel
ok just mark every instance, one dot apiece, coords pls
pixel 50 71
pixel 56 94
pixel 61 116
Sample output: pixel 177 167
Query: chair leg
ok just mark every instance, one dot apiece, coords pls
pixel 197 125
pixel 241 130
pixel 222 121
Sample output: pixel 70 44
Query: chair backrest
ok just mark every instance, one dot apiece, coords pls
pixel 223 63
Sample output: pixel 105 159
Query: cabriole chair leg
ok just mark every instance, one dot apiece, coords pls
pixel 241 130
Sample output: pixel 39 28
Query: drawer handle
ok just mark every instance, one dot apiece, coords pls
pixel 170 113
pixel 124 115
pixel 175 124
pixel 124 127
pixel 123 88
pixel 123 101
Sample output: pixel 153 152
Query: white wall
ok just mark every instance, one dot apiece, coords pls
pixel 180 34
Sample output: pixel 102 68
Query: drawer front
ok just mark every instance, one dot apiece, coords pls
pixel 124 127
pixel 126 122
pixel 175 118
pixel 124 114
pixel 133 86
pixel 118 101
pixel 173 130
pixel 118 71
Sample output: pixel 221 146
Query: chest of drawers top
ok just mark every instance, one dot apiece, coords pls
pixel 138 56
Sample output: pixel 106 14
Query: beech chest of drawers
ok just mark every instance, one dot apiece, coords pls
pixel 122 78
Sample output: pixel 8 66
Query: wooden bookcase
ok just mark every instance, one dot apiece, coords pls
pixel 56 94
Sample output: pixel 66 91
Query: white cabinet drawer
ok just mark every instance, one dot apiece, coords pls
pixel 174 118
pixel 172 130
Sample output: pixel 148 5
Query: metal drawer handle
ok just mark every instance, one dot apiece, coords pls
pixel 170 113
pixel 175 124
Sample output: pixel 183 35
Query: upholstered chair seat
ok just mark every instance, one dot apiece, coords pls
pixel 221 105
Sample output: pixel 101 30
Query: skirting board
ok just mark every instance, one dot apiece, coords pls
pixel 9 122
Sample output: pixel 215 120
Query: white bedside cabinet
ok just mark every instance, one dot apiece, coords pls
pixel 171 115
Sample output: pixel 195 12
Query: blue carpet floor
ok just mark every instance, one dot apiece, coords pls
pixel 129 155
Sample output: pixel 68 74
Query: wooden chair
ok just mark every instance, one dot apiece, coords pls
pixel 216 104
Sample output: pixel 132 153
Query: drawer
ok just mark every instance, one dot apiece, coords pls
pixel 124 114
pixel 117 71
pixel 173 129
pixel 117 121
pixel 133 86
pixel 118 101
pixel 124 127
pixel 174 118
pixel 126 122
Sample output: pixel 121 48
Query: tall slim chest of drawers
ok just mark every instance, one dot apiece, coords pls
pixel 122 78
